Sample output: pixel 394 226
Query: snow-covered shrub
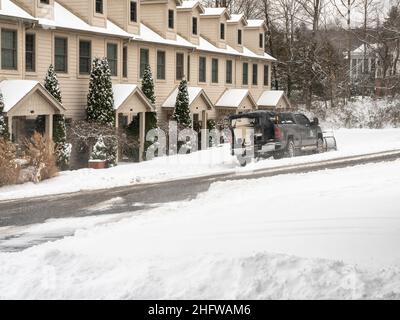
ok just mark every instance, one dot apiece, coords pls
pixel 99 150
pixel 3 125
pixel 100 99
pixel 52 85
pixel 62 147
pixel 41 156
pixel 84 135
pixel 9 169
pixel 148 85
pixel 182 112
pixel 358 113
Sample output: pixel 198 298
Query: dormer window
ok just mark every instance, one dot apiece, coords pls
pixel 171 15
pixel 133 11
pixel 261 40
pixel 45 1
pixel 194 26
pixel 239 39
pixel 99 6
pixel 222 31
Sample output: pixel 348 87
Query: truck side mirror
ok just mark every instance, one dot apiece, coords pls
pixel 315 122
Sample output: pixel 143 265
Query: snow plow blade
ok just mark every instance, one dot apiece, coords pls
pixel 330 143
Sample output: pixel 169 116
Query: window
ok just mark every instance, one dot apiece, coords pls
pixel 144 60
pixel 266 75
pixel 112 57
pixel 194 25
pixel 44 1
pixel 61 54
pixel 8 49
pixel 171 14
pixel 229 71
pixel 202 69
pixel 99 6
pixel 222 31
pixel 245 74
pixel 85 56
pixel 261 40
pixel 188 68
pixel 125 62
pixel 133 11
pixel 302 120
pixel 161 65
pixel 239 37
pixel 30 53
pixel 179 66
pixel 255 74
pixel 214 71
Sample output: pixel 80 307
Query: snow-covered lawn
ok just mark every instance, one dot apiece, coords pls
pixel 217 160
pixel 326 234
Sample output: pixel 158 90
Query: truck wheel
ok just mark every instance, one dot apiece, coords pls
pixel 320 146
pixel 278 155
pixel 290 149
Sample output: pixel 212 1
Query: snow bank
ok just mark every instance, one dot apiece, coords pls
pixel 359 113
pixel 277 237
pixel 213 161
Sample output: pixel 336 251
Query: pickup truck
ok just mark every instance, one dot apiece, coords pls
pixel 265 134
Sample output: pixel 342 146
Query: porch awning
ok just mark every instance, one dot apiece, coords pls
pixel 28 97
pixel 128 98
pixel 197 99
pixel 236 99
pixel 271 98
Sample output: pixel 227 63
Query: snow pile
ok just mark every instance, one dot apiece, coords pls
pixel 359 113
pixel 238 240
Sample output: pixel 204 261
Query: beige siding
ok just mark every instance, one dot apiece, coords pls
pixel 35 102
pixel 251 39
pixel 155 16
pixel 119 12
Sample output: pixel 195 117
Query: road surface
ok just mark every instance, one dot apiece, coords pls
pixel 19 213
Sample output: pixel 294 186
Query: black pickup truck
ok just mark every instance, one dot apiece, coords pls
pixel 265 134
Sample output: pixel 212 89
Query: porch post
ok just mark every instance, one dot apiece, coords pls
pixel 204 137
pixel 49 126
pixel 116 120
pixel 142 134
pixel 10 127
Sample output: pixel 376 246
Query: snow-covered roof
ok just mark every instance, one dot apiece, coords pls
pixel 369 48
pixel 148 35
pixel 270 98
pixel 213 11
pixel 10 9
pixel 186 5
pixel 193 92
pixel 15 90
pixel 123 91
pixel 237 17
pixel 255 23
pixel 63 18
pixel 232 98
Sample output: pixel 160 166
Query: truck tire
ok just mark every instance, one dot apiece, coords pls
pixel 290 149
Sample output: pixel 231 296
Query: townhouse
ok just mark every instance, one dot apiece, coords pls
pixel 221 55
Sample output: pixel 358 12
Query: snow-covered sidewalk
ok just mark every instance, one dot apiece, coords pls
pixel 330 234
pixel 217 160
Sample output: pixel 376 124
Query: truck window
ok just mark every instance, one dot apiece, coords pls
pixel 244 122
pixel 302 120
pixel 286 118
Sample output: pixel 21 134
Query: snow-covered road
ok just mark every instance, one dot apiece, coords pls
pixel 327 234
pixel 213 161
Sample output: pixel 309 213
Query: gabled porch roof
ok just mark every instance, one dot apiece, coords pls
pixel 123 93
pixel 233 98
pixel 17 92
pixel 194 93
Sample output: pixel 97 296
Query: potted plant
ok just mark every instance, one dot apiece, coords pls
pixel 98 157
